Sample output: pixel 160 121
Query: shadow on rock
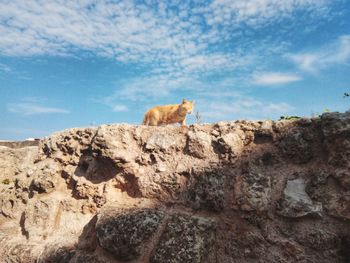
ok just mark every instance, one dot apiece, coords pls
pixel 140 235
pixel 96 169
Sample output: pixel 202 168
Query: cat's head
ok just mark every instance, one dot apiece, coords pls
pixel 187 105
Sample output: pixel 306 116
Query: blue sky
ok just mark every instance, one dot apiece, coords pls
pixel 80 63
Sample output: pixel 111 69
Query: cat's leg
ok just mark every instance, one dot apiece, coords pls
pixel 154 119
pixel 153 122
pixel 145 120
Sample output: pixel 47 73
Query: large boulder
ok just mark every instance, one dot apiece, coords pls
pixel 125 233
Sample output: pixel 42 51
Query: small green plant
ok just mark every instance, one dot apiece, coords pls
pixel 287 117
pixel 326 110
pixel 6 181
pixel 198 117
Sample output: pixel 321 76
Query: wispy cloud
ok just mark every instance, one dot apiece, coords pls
pixel 182 45
pixel 257 12
pixel 5 68
pixel 120 108
pixel 135 31
pixel 337 52
pixel 274 78
pixel 243 106
pixel 32 107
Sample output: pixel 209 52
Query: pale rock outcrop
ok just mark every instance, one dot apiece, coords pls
pixel 240 191
pixel 296 202
pixel 199 144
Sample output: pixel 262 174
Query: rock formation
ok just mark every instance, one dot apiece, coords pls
pixel 238 191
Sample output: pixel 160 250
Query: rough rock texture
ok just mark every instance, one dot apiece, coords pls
pixel 296 202
pixel 229 192
pixel 125 233
pixel 186 239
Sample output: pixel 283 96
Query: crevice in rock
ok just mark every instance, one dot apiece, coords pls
pixel 96 169
pixel 151 247
pixel 260 138
pixel 22 225
pixel 345 248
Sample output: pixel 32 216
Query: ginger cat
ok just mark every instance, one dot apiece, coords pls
pixel 168 114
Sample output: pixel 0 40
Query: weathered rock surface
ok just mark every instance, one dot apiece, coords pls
pixel 229 192
pixel 296 202
pixel 125 233
pixel 252 190
pixel 186 239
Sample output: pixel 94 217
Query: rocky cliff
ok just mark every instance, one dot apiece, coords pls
pixel 228 192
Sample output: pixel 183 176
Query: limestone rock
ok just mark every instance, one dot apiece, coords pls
pixel 296 148
pixel 116 143
pixel 66 146
pixel 125 233
pixel 43 184
pixel 16 161
pixel 252 191
pixel 201 193
pixel 267 126
pixel 207 192
pixel 10 205
pixel 232 143
pixel 296 202
pixel 161 140
pixel 39 219
pixel 44 179
pixel 248 246
pixel 85 190
pixel 56 254
pixel 186 239
pixel 199 144
pixel 265 133
pixel 335 124
pixel 19 253
pixel 339 205
pixel 96 169
pixel 318 239
pixel 343 176
pixel 336 130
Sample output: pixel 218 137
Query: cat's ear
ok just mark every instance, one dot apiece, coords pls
pixel 184 101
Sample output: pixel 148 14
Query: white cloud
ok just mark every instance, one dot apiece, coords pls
pixel 275 78
pixel 30 108
pixel 337 52
pixel 5 68
pixel 257 13
pixel 150 87
pixel 132 31
pixel 306 61
pixel 180 44
pixel 242 107
pixel 120 108
pixel 214 62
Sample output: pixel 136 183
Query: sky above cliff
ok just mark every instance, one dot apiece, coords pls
pixel 79 63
